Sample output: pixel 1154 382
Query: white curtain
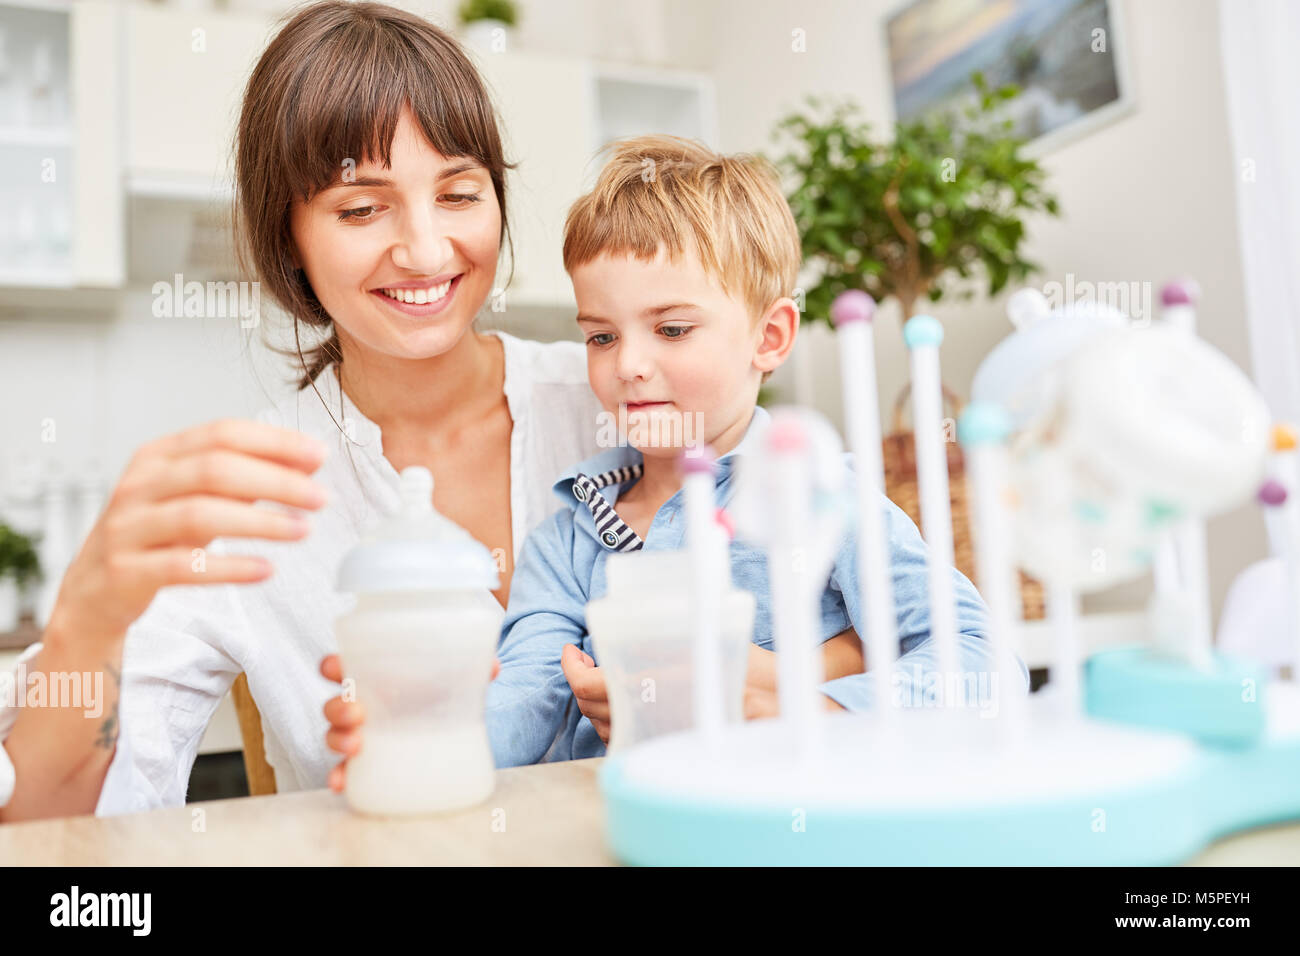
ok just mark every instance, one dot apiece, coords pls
pixel 1262 77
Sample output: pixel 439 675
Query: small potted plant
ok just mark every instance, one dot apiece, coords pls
pixel 18 565
pixel 480 21
pixel 913 218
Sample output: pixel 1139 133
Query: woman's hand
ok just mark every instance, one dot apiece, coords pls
pixel 588 686
pixel 176 495
pixel 346 718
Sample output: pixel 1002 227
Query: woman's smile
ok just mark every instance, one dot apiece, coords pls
pixel 419 300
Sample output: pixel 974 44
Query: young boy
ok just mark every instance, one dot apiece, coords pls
pixel 682 262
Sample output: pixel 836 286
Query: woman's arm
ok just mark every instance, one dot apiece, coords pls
pixel 45 787
pixel 176 496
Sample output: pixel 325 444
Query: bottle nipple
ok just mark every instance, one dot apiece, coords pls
pixel 417 490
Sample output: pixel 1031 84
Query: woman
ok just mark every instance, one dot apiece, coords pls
pixel 369 170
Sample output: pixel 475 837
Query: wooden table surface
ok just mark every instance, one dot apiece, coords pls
pixel 547 814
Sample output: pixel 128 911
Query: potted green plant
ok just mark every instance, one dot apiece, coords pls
pixel 18 565
pixel 481 19
pixel 913 218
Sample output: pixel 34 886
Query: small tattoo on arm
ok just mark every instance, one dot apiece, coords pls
pixel 108 729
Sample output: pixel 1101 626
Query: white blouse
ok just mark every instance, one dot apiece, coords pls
pixel 184 652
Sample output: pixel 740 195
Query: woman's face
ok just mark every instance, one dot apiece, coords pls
pixel 426 230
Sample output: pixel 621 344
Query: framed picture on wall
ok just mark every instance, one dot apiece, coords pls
pixel 1066 56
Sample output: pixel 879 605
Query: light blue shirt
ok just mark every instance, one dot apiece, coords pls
pixel 532 714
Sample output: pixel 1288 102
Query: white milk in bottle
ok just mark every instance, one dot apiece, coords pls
pixel 419 646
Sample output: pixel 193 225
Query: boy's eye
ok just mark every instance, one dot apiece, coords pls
pixel 360 214
pixel 675 331
pixel 601 338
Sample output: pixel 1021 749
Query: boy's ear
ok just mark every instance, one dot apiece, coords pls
pixel 778 329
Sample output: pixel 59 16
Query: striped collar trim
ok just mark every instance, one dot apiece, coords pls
pixel 612 531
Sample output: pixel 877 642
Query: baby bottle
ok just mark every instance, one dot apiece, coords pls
pixel 419 645
pixel 643 635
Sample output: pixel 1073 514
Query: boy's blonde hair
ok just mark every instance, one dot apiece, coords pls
pixel 667 191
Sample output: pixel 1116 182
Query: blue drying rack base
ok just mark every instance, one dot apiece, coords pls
pixel 1249 727
pixel 1063 796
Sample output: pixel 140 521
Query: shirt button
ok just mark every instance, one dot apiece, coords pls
pixel 579 492
pixel 610 538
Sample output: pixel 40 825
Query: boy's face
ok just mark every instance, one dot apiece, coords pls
pixel 666 343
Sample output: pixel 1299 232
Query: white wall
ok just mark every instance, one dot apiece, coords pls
pixel 1146 198
pixel 84 391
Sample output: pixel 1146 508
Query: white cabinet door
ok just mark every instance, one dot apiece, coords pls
pixel 546 123
pixel 185 74
pixel 98 239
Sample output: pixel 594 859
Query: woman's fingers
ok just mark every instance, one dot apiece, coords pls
pixel 331 668
pixel 199 519
pixel 344 715
pixel 346 742
pixel 258 439
pixel 337 778
pixel 159 468
pixel 602 729
pixel 163 567
pixel 234 475
pixel 178 494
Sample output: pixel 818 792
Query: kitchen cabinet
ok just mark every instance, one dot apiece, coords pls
pixel 60 168
pixel 185 72
pixel 145 151
pixel 545 106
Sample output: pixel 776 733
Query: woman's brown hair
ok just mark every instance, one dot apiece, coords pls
pixel 331 87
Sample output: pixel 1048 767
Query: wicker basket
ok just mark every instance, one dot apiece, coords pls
pixel 899 451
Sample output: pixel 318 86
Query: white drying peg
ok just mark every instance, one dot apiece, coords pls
pixel 852 313
pixel 790 499
pixel 923 334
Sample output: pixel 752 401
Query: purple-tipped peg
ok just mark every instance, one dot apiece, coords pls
pixel 1272 493
pixel 852 305
pixel 1180 292
pixel 699 459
